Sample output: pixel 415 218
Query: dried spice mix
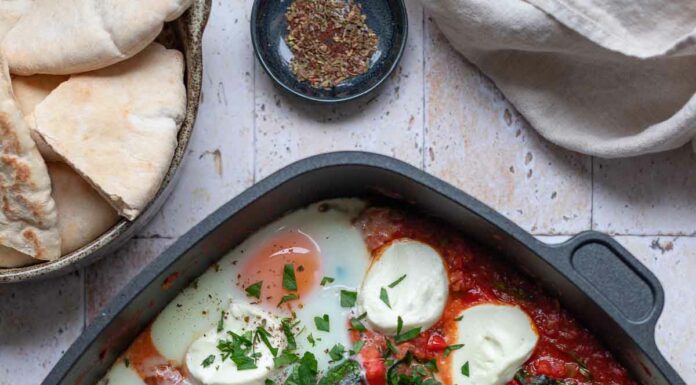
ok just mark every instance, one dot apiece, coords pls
pixel 330 41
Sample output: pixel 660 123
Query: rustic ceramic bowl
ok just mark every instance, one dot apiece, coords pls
pixel 387 18
pixel 184 34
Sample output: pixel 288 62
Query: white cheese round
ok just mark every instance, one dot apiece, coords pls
pixel 241 317
pixel 497 340
pixel 419 298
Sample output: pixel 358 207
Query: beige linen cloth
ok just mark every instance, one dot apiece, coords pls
pixel 611 78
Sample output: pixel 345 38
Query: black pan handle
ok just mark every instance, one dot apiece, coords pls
pixel 622 287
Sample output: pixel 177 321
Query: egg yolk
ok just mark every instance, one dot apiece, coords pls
pixel 267 262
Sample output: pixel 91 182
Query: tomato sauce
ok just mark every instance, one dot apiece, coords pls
pixel 565 351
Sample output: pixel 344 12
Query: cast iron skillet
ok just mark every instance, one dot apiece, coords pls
pixel 592 275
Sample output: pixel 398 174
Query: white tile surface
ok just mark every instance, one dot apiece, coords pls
pixel 437 112
pixel 653 194
pixel 38 322
pixel 475 140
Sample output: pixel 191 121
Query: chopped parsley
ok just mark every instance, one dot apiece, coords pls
pixel 384 297
pixel 310 339
pixel 357 347
pixel 263 334
pixel 289 281
pixel 357 325
pixel 431 366
pixel 452 348
pixel 409 335
pixel 459 318
pixel 465 369
pixel 305 372
pixel 289 336
pixel 399 325
pixel 398 281
pixel 287 357
pixel 393 349
pixel 322 323
pixel 221 322
pixel 326 280
pixel 337 352
pixel 269 382
pixel 288 298
pixel 126 362
pixel 239 350
pixel 254 290
pixel 208 361
pixel 348 298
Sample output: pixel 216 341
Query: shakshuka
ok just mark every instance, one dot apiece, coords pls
pixel 347 292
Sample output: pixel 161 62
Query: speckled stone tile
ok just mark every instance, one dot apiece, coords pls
pixel 38 322
pixel 104 279
pixel 648 195
pixel 219 163
pixel 389 121
pixel 475 140
pixel 673 261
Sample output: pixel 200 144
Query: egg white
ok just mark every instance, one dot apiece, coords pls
pixel 344 257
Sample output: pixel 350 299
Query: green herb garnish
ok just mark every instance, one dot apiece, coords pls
pixel 465 369
pixel 126 362
pixel 326 280
pixel 288 298
pixel 392 348
pixel 337 352
pixel 305 372
pixel 264 334
pixel 254 290
pixel 384 297
pixel 347 372
pixel 239 350
pixel 357 325
pixel 221 322
pixel 431 366
pixel 348 298
pixel 409 335
pixel 357 347
pixel 398 281
pixel 289 336
pixel 287 357
pixel 289 281
pixel 269 382
pixel 322 323
pixel 459 318
pixel 310 339
pixel 399 325
pixel 208 361
pixel 452 348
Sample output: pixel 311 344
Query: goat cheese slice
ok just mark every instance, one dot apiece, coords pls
pixel 497 339
pixel 240 318
pixel 408 280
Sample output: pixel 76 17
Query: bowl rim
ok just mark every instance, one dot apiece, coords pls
pixel 196 18
pixel 266 67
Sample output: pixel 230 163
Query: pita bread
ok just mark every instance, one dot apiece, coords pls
pixel 83 215
pixel 30 91
pixel 10 12
pixel 28 219
pixel 72 36
pixel 117 126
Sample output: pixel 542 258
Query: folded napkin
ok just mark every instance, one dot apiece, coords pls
pixel 611 78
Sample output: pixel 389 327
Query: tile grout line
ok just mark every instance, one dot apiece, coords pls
pixel 423 69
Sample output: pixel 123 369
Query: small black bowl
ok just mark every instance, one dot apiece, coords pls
pixel 387 18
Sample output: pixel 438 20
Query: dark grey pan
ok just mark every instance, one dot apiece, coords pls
pixel 592 275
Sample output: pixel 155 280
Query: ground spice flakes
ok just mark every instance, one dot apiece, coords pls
pixel 330 41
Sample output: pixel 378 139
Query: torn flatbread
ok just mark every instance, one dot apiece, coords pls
pixel 83 215
pixel 10 12
pixel 73 36
pixel 117 126
pixel 30 91
pixel 28 219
